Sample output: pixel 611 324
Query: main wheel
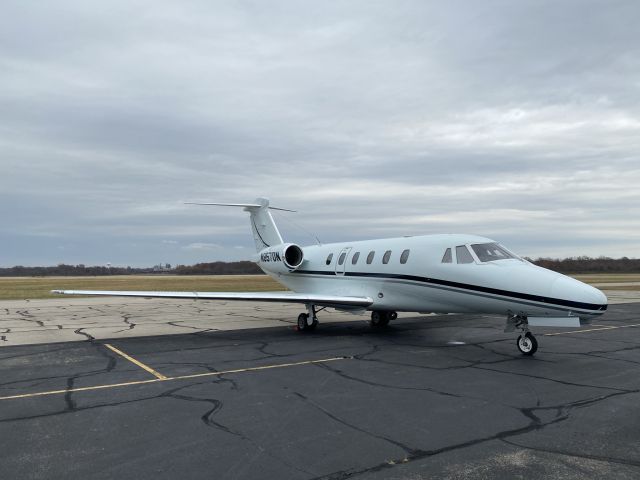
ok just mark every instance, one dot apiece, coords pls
pixel 393 315
pixel 527 344
pixel 303 322
pixel 379 319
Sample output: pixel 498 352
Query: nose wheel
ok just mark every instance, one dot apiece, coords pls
pixel 527 344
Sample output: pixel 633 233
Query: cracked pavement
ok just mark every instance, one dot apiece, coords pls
pixel 443 396
pixel 79 319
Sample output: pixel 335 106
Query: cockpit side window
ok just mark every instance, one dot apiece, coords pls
pixel 463 255
pixel 446 258
pixel 329 258
pixel 488 252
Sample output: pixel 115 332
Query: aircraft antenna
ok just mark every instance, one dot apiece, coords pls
pixel 311 234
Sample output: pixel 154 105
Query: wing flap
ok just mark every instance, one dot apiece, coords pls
pixel 284 297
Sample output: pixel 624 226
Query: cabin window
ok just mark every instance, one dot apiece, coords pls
pixel 329 258
pixel 341 258
pixel 404 256
pixel 370 257
pixel 386 257
pixel 446 258
pixel 488 252
pixel 463 255
pixel 355 258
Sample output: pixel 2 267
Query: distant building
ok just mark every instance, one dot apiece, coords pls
pixel 162 267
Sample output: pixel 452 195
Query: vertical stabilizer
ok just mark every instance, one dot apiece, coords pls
pixel 264 229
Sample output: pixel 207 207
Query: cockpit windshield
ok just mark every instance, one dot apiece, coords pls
pixel 488 252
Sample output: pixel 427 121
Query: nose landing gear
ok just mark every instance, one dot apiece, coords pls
pixel 527 343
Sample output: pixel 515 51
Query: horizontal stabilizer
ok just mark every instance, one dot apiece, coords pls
pixel 245 205
pixel 283 297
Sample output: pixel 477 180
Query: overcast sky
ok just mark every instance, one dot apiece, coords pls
pixel 519 121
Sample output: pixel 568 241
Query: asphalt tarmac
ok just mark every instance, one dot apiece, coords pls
pixel 445 396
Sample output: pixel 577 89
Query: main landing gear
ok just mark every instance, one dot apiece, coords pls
pixel 308 321
pixel 380 318
pixel 527 343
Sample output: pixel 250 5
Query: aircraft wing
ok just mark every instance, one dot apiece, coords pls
pixel 283 297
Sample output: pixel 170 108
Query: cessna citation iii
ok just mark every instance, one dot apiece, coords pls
pixel 431 273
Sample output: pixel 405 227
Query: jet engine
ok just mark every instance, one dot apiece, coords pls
pixel 281 258
pixel 292 256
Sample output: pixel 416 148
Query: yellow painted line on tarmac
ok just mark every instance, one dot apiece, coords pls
pixel 255 369
pixel 80 389
pixel 169 379
pixel 592 330
pixel 158 375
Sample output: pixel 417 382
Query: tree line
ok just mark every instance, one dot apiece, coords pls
pixel 214 268
pixel 566 265
pixel 590 265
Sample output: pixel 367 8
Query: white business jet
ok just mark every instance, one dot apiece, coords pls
pixel 430 273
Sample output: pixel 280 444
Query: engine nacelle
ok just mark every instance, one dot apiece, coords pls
pixel 281 258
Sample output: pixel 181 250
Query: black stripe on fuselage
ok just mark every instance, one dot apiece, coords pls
pixel 594 307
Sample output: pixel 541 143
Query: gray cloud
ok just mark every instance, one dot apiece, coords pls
pixel 519 121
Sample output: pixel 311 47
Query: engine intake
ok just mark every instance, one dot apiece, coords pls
pixel 293 256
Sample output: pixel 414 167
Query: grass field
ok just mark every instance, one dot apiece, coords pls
pixel 601 281
pixel 608 277
pixel 19 288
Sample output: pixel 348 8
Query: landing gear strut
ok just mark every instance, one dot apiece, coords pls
pixel 381 318
pixel 306 325
pixel 527 343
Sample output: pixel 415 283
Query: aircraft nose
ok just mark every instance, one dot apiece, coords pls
pixel 568 288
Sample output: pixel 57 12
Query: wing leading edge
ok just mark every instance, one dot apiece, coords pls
pixel 284 297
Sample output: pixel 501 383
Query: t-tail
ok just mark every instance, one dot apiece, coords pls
pixel 264 229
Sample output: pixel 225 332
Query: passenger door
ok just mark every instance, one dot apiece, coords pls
pixel 341 262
